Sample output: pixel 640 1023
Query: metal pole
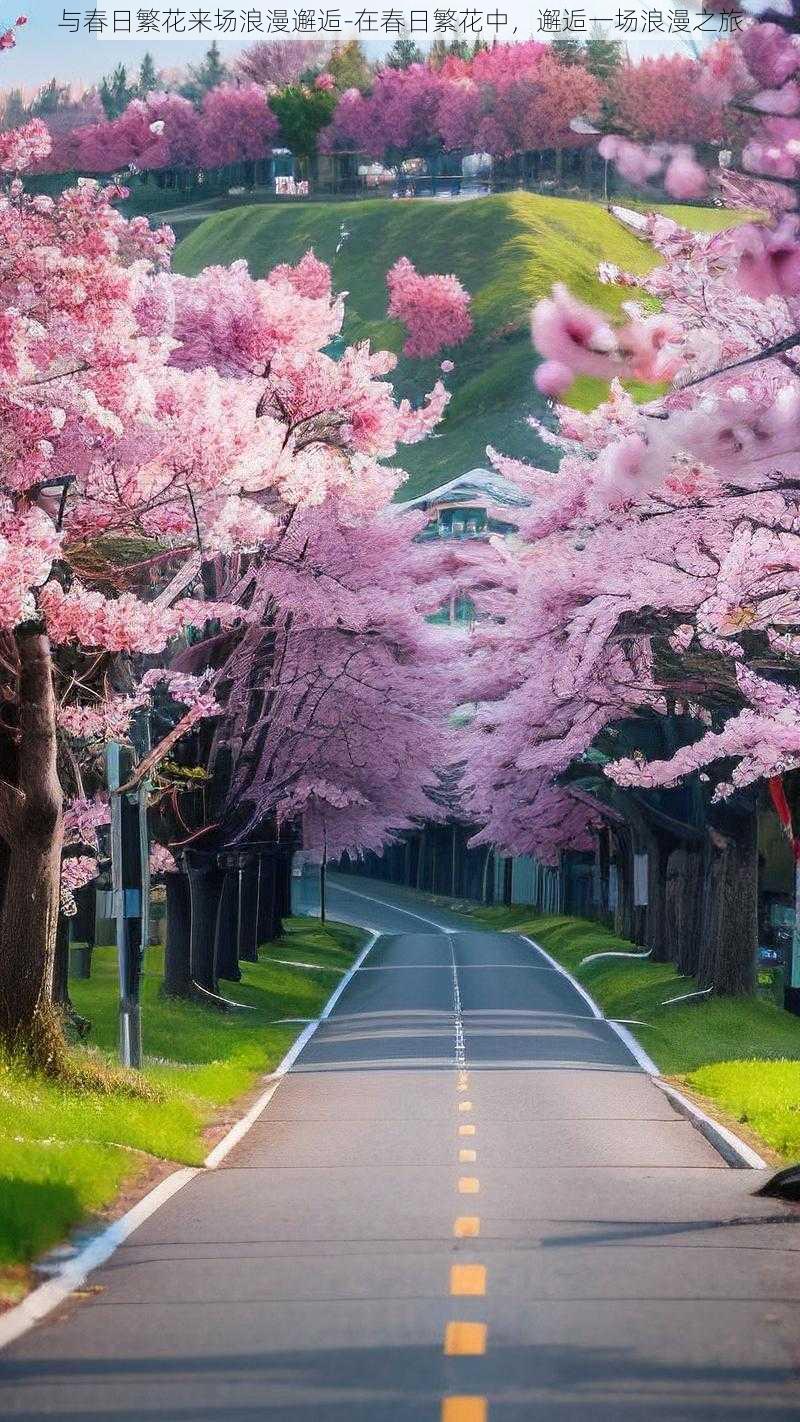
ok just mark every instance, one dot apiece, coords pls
pixel 125 908
pixel 793 984
pixel 322 874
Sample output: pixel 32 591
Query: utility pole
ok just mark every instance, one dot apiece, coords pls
pixel 130 883
pixel 323 875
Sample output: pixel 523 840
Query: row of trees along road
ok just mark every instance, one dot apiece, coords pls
pixel 639 672
pixel 198 561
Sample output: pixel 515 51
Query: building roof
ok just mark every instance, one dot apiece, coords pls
pixel 477 485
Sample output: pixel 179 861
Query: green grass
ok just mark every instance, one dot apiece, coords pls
pixel 67 1151
pixel 507 250
pixel 763 1095
pixel 738 1052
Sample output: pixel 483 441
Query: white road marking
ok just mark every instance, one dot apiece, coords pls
pixel 746 1155
pixel 461 1060
pixel 588 999
pixel 71 1275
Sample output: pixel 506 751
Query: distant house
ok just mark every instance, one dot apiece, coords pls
pixel 466 507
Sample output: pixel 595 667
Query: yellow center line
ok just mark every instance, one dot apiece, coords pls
pixel 465 1409
pixel 464 1339
pixel 468 1279
pixel 468 1185
pixel 467 1226
pixel 465 1105
pixel 467 1157
pixel 466 1130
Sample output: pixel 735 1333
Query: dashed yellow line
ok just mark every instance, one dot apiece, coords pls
pixel 463 1339
pixel 467 1226
pixel 464 1409
pixel 468 1280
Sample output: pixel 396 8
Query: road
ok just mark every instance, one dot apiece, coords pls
pixel 465 1203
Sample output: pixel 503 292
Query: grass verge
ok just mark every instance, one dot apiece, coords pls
pixel 67 1151
pixel 508 250
pixel 739 1054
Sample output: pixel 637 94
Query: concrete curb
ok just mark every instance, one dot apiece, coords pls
pixel 738 1154
pixel 73 1273
pixel 735 1152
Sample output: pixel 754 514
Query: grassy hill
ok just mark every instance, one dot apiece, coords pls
pixel 507 250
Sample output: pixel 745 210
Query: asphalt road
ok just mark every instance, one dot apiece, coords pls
pixel 465 1203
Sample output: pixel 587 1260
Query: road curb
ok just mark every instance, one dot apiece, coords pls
pixel 72 1274
pixel 735 1152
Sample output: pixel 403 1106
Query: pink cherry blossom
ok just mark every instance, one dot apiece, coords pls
pixel 434 309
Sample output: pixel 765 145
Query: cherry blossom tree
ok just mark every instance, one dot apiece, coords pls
pixel 651 644
pixel 275 63
pixel 399 116
pixel 668 98
pixel 506 100
pixel 237 124
pixel 160 435
pixel 434 309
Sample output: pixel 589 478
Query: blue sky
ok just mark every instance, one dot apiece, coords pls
pixel 44 49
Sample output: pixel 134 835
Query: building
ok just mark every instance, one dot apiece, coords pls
pixel 466 507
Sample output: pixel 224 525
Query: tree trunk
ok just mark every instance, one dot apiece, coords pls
pixel 60 993
pixel 623 913
pixel 205 884
pixel 225 946
pixel 603 852
pixel 684 907
pixel 247 934
pixel 486 898
pixel 423 844
pixel 267 926
pixel 31 825
pixel 177 978
pixel 727 959
pixel 61 967
pixel 656 937
pixel 283 888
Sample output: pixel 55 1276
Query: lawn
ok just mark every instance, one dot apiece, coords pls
pixel 67 1152
pixel 507 250
pixel 740 1054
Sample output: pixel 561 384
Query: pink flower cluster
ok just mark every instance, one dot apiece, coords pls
pixel 21 148
pixel 433 309
pixel 8 38
pixel 76 871
pixel 82 819
pixel 161 861
pixel 577 340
